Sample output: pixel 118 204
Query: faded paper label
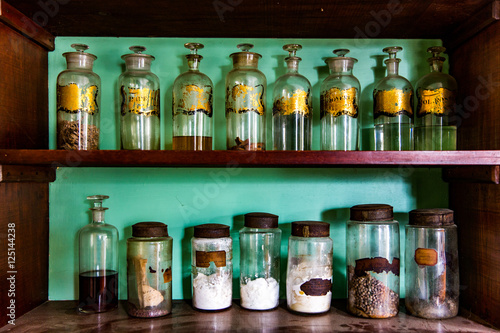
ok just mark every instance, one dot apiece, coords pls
pixel 203 258
pixel 167 275
pixel 392 103
pixel 194 99
pixel 242 98
pixel 426 257
pixel 339 102
pixel 142 101
pixel 439 101
pixel 316 287
pixel 298 103
pixel 377 265
pixel 72 99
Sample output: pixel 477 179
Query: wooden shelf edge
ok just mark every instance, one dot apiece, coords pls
pixel 473 174
pixel 26 173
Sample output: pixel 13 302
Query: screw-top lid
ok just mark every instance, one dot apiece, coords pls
pixel 261 220
pixel 372 212
pixel 211 230
pixel 150 229
pixel 435 217
pixel 392 51
pixel 310 229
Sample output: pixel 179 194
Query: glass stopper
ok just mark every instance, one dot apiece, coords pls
pixel 245 47
pixel 98 199
pixel 341 52
pixel 436 50
pixel 137 49
pixel 292 49
pixel 194 47
pixel 80 47
pixel 392 50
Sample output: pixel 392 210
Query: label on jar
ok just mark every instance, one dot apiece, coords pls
pixel 316 287
pixel 339 102
pixel 426 257
pixel 437 101
pixel 167 275
pixel 142 101
pixel 377 265
pixel 242 99
pixel 298 103
pixel 72 99
pixel 203 258
pixel 392 103
pixel 194 99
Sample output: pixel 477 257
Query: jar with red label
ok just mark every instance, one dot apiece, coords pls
pixel 431 262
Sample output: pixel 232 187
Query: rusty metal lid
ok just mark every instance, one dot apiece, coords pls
pixel 150 229
pixel 310 229
pixel 435 217
pixel 372 212
pixel 261 220
pixel 211 230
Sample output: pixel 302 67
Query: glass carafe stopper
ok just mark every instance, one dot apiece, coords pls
pixel 194 47
pixel 392 50
pixel 292 49
pixel 341 52
pixel 137 49
pixel 97 199
pixel 80 47
pixel 245 47
pixel 436 50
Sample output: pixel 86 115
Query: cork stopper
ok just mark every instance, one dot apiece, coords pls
pixel 310 229
pixel 435 217
pixel 150 229
pixel 211 230
pixel 372 212
pixel 261 220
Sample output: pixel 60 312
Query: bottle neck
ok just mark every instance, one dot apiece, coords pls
pixel 80 62
pixel 392 68
pixel 138 63
pixel 340 66
pixel 292 66
pixel 436 66
pixel 97 215
pixel 193 63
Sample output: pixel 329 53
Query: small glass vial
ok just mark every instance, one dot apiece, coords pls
pixel 309 273
pixel 373 262
pixel 149 270
pixel 292 106
pixel 140 102
pixel 246 102
pixel 212 267
pixel 339 104
pixel 432 277
pixel 78 101
pixel 98 252
pixel 192 108
pixel 393 107
pixel 260 247
pixel 436 93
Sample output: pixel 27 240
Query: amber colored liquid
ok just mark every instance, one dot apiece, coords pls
pixel 192 143
pixel 98 291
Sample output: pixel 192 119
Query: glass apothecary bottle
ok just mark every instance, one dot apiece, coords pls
pixel 339 104
pixel 292 106
pixel 192 108
pixel 212 267
pixel 260 249
pixel 98 252
pixel 78 101
pixel 432 276
pixel 373 262
pixel 309 273
pixel 140 102
pixel 246 102
pixel 149 270
pixel 436 93
pixel 393 107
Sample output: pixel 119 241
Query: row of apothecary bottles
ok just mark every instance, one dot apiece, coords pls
pixel 396 125
pixel 372 258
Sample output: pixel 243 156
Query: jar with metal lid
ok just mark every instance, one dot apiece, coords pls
pixel 260 247
pixel 309 273
pixel 431 262
pixel 212 267
pixel 373 262
pixel 149 270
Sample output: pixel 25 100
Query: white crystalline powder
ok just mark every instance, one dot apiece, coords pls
pixel 260 294
pixel 297 300
pixel 213 292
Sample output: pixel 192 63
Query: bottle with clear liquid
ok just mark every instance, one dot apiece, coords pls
pixel 339 104
pixel 393 107
pixel 140 102
pixel 98 277
pixel 436 93
pixel 292 106
pixel 246 102
pixel 192 106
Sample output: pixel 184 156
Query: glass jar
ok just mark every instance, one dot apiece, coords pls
pixel 292 106
pixel 149 270
pixel 260 253
pixel 140 102
pixel 78 101
pixel 432 276
pixel 436 93
pixel 246 102
pixel 212 267
pixel 393 107
pixel 373 262
pixel 192 106
pixel 98 259
pixel 339 104
pixel 309 273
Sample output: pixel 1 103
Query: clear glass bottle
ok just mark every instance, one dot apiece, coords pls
pixel 78 101
pixel 436 93
pixel 140 102
pixel 309 273
pixel 246 102
pixel 192 108
pixel 339 104
pixel 260 253
pixel 393 107
pixel 212 267
pixel 98 278
pixel 292 106
pixel 149 270
pixel 432 275
pixel 373 262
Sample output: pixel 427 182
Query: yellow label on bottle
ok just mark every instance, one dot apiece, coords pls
pixel 194 99
pixel 142 101
pixel 426 257
pixel 392 103
pixel 437 101
pixel 338 102
pixel 73 99
pixel 298 103
pixel 242 98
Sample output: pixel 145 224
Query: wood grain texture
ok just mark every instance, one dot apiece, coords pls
pixel 476 174
pixel 26 173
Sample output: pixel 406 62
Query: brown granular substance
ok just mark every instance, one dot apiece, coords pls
pixel 71 137
pixel 246 145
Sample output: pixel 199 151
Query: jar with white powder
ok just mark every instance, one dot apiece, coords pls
pixel 260 245
pixel 309 271
pixel 211 267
